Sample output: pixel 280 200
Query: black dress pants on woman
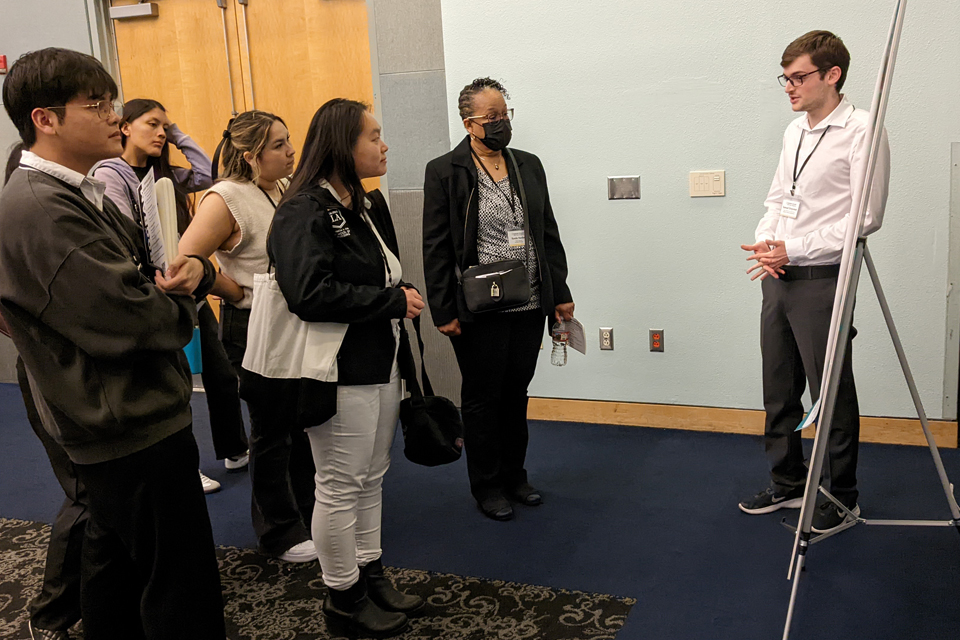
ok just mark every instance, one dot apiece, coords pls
pixel 57 606
pixel 497 355
pixel 221 386
pixel 281 462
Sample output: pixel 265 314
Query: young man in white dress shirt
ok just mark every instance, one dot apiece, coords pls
pixel 797 250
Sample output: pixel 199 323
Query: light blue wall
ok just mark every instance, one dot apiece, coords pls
pixel 660 88
pixel 35 24
pixel 27 26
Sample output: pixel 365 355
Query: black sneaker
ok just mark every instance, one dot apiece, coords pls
pixel 769 500
pixel 828 517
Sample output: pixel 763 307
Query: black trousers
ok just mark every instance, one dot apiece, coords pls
pixel 794 328
pixel 497 355
pixel 282 471
pixel 149 562
pixel 57 606
pixel 222 388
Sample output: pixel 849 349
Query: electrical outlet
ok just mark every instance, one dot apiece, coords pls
pixel 656 340
pixel 606 338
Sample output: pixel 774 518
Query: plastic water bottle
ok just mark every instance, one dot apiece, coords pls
pixel 558 356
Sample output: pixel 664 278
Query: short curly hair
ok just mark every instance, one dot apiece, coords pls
pixel 465 103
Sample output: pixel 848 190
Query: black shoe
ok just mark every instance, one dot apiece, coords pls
pixel 47 634
pixel 769 500
pixel 526 495
pixel 496 507
pixel 828 517
pixel 385 595
pixel 349 612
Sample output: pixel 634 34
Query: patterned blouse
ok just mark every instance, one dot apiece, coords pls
pixel 496 216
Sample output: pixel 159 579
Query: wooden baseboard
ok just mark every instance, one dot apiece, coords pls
pixel 743 421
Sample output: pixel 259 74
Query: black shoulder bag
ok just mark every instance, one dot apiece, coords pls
pixel 503 284
pixel 432 428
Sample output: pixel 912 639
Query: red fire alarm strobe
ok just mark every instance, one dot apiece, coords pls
pixel 3 64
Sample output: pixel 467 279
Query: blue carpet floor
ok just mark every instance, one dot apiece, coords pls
pixel 645 513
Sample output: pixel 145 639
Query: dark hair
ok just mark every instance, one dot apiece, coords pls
pixel 13 161
pixel 825 50
pixel 465 103
pixel 328 149
pixel 135 109
pixel 51 78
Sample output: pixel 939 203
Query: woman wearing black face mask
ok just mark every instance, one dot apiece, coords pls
pixel 474 214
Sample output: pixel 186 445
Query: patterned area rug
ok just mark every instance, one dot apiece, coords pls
pixel 271 600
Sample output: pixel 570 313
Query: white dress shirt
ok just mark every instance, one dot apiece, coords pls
pixel 91 188
pixel 825 187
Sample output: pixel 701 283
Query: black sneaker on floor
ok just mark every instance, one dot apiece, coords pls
pixel 828 517
pixel 769 500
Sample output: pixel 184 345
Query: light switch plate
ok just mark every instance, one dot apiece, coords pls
pixel 623 188
pixel 705 184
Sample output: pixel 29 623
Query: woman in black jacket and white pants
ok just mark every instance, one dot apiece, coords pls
pixel 336 257
pixel 473 215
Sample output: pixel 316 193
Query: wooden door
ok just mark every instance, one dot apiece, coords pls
pixel 303 53
pixel 180 59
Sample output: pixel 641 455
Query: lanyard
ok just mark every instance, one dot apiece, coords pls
pixel 510 198
pixel 796 173
pixel 264 192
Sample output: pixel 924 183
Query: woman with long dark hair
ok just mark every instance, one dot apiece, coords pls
pixel 147 133
pixel 336 257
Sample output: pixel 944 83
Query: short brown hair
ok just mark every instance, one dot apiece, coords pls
pixel 825 50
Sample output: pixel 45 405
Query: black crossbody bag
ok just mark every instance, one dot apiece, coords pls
pixel 504 284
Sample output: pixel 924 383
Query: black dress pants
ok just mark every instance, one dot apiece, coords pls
pixel 497 355
pixel 794 328
pixel 149 562
pixel 57 606
pixel 222 389
pixel 282 472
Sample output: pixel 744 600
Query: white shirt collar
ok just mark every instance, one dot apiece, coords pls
pixel 837 118
pixel 329 187
pixel 91 188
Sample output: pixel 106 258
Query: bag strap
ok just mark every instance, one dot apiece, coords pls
pixel 413 385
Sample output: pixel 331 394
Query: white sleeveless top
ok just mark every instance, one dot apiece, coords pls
pixel 253 210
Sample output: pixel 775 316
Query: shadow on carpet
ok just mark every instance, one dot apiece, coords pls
pixel 266 599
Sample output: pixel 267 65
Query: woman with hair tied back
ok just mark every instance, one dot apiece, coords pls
pixel 232 222
pixel 336 257
pixel 147 132
pixel 473 214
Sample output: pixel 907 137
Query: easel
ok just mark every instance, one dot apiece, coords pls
pixel 855 253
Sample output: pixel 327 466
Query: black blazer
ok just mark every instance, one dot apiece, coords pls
pixel 329 266
pixel 451 209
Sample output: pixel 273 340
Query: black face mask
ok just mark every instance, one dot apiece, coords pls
pixel 496 134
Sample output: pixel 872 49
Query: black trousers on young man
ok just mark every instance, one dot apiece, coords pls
pixel 794 328
pixel 57 606
pixel 149 562
pixel 497 355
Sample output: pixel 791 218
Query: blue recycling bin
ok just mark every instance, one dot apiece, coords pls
pixel 193 353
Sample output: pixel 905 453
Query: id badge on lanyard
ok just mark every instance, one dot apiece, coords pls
pixel 792 200
pixel 515 236
pixel 790 208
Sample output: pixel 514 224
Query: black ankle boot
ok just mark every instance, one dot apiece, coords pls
pixel 384 594
pixel 349 612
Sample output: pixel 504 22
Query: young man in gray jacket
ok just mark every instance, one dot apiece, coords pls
pixel 101 334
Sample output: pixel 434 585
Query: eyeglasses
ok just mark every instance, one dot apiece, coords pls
pixel 494 118
pixel 797 78
pixel 104 108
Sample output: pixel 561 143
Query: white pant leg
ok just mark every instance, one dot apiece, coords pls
pixel 351 452
pixel 370 502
